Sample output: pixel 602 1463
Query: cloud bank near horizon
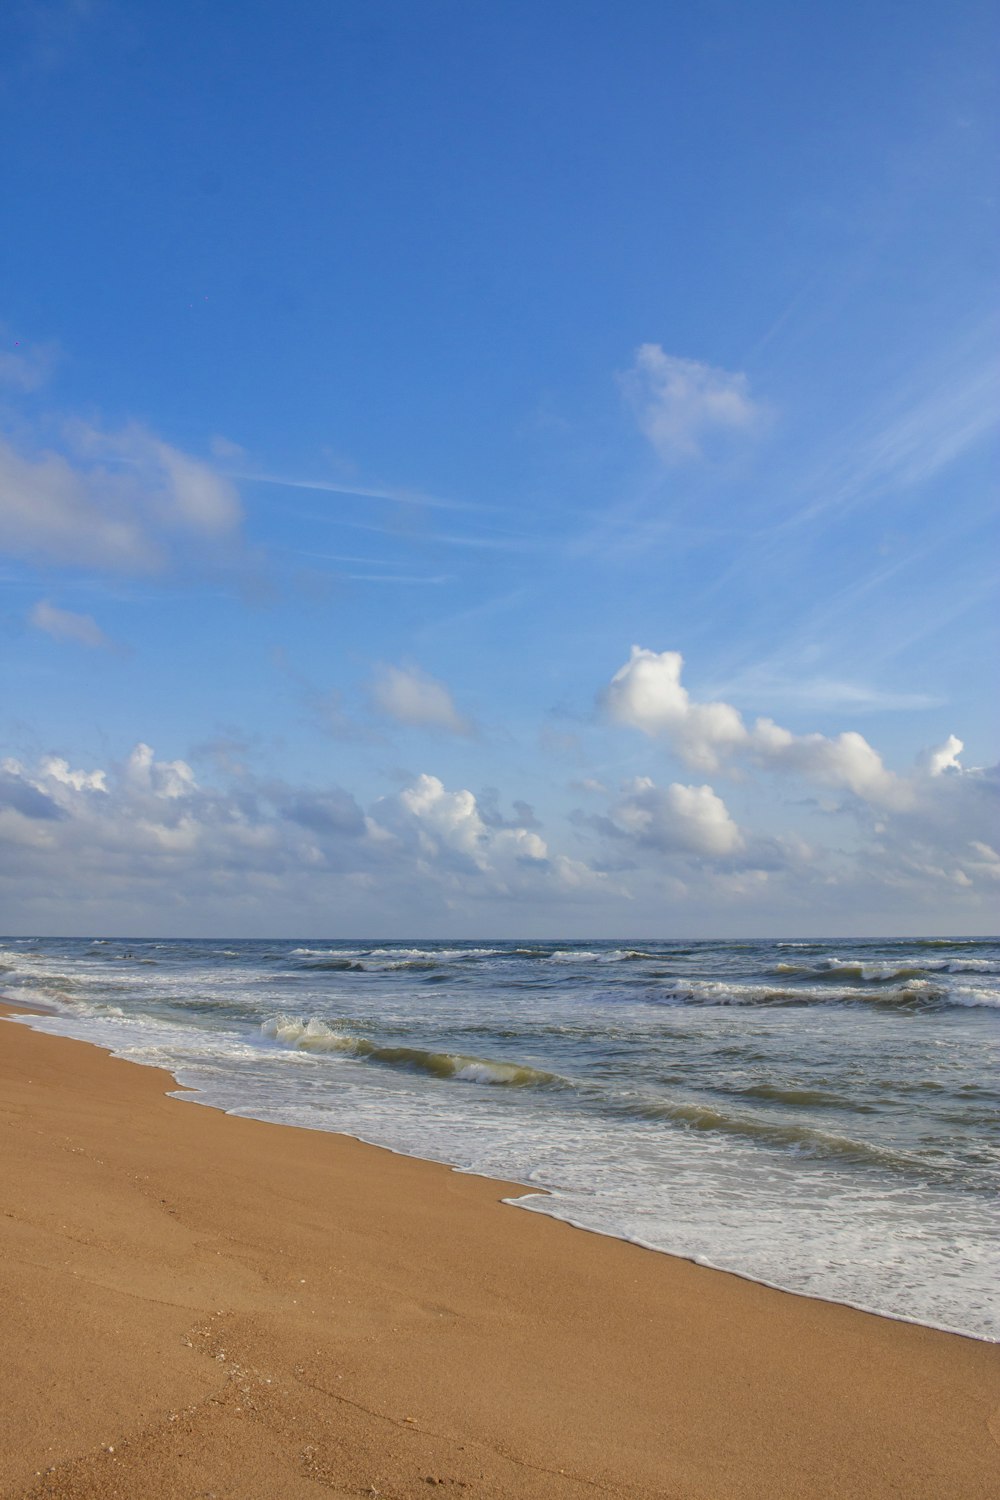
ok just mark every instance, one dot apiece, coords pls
pixel 149 836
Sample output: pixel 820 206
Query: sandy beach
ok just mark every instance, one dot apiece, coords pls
pixel 197 1305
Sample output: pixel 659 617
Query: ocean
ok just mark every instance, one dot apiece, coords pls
pixel 823 1117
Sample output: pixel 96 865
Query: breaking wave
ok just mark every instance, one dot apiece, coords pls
pixel 317 1036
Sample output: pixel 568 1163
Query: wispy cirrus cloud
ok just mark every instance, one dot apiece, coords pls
pixel 394 493
pixel 783 684
pixel 487 541
pixel 926 427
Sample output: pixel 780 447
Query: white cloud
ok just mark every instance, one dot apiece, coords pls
pixel 120 501
pixel 146 831
pixel 148 836
pixel 451 818
pixel 677 819
pixel 917 835
pixel 147 845
pixel 179 491
pixel 681 403
pixel 451 835
pixel 846 760
pixel 935 843
pixel 944 757
pixel 411 697
pixel 57 773
pixel 66 625
pixel 646 693
pixel 165 778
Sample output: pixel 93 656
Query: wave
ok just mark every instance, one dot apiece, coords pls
pixel 836 969
pixel 412 965
pixel 808 1140
pixel 615 955
pixel 441 954
pixel 795 1136
pixel 638 955
pixel 916 995
pixel 978 942
pixel 317 1036
pixel 773 1093
pixel 332 965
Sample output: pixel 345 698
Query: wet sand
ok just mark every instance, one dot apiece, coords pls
pixel 196 1305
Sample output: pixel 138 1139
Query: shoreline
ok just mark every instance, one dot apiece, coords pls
pixel 501 1354
pixel 189 1093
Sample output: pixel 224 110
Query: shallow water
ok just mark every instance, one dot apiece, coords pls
pixel 821 1116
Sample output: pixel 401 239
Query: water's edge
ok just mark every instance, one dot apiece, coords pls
pixel 534 1200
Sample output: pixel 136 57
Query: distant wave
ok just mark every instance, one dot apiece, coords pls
pixel 837 969
pixel 915 994
pixel 334 965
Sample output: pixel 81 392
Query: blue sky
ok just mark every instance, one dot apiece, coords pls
pixel 374 377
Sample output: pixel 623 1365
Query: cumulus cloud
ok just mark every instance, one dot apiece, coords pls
pixel 916 836
pixel 119 501
pixel 846 760
pixel 647 694
pixel 145 828
pixel 145 844
pixel 24 796
pixel 66 625
pixel 682 403
pixel 450 835
pixel 933 849
pixel 411 697
pixel 147 833
pixel 677 819
pixel 146 775
pixel 925 856
pixel 944 757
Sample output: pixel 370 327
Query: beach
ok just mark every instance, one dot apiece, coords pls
pixel 204 1305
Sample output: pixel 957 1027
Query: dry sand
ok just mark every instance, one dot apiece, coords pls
pixel 196 1305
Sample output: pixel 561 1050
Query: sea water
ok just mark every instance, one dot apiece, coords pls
pixel 820 1116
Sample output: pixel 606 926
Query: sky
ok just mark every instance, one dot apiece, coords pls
pixel 496 470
